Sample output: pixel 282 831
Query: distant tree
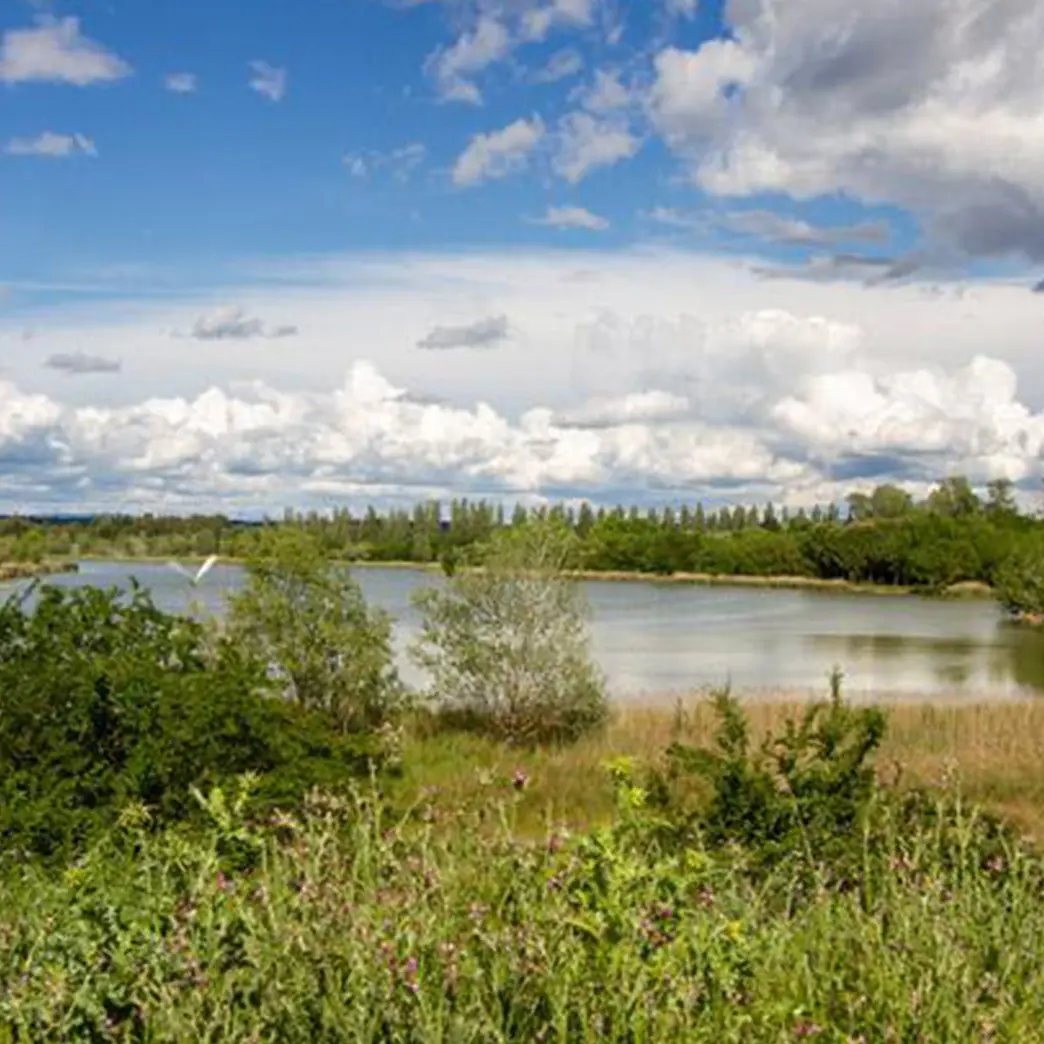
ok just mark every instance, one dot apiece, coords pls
pixel 954 498
pixel 889 501
pixel 1000 498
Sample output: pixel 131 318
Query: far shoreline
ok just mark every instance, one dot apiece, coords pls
pixel 969 589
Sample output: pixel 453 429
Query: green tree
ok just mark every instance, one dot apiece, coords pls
pixel 1019 582
pixel 507 647
pixel 106 701
pixel 307 618
pixel 1000 498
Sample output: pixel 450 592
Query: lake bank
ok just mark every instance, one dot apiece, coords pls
pixel 963 589
pixel 34 570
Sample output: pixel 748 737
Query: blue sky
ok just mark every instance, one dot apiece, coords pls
pixel 770 202
pixel 223 172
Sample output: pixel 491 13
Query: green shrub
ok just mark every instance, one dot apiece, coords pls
pixel 507 646
pixel 107 702
pixel 306 617
pixel 809 798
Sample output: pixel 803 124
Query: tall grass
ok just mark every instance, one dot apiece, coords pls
pixel 341 925
pixel 995 749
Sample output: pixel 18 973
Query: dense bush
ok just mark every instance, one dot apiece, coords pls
pixel 808 800
pixel 507 645
pixel 107 702
pixel 306 617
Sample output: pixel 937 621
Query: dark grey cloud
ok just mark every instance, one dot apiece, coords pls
pixel 482 334
pixel 868 269
pixel 788 231
pixel 233 324
pixel 78 364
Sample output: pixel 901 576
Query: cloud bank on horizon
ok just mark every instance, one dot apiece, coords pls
pixel 518 248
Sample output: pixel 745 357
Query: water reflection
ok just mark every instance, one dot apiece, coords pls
pixel 657 639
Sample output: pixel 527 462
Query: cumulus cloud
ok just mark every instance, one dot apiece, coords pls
pixel 262 446
pixel 52 146
pixel 454 66
pixel 268 80
pixel 605 93
pixel 929 104
pixel 499 153
pixel 493 31
pixel 56 51
pixel 231 323
pixel 584 143
pixel 573 217
pixel 972 415
pixel 181 83
pixel 648 407
pixel 793 389
pixel 481 334
pixel 78 364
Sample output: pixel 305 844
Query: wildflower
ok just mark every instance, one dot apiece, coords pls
pixel 409 975
pixel 806 1028
pixel 554 843
pixel 995 865
pixel 222 882
pixel 520 780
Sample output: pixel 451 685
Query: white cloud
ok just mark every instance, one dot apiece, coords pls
pixel 929 104
pixel 52 145
pixel 573 217
pixel 539 19
pixel 560 66
pixel 499 153
pixel 585 143
pixel 634 408
pixel 683 8
pixel 401 162
pixel 606 93
pixel 623 372
pixel 55 51
pixel 182 82
pixel 453 67
pixel 268 81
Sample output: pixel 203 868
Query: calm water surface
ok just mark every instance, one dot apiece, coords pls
pixel 656 640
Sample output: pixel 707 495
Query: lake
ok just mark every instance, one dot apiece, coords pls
pixel 656 640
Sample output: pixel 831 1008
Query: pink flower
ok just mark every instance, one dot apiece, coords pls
pixel 520 779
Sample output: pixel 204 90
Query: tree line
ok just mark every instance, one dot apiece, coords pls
pixel 884 537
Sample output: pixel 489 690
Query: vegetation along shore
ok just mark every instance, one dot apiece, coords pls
pixel 953 542
pixel 258 832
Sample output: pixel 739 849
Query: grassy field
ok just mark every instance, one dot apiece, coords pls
pixel 994 750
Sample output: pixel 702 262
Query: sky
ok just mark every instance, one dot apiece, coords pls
pixel 257 255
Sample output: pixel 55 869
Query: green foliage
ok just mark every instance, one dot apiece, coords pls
pixel 107 703
pixel 506 645
pixel 306 617
pixel 1019 582
pixel 804 792
pixel 884 537
pixel 348 927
